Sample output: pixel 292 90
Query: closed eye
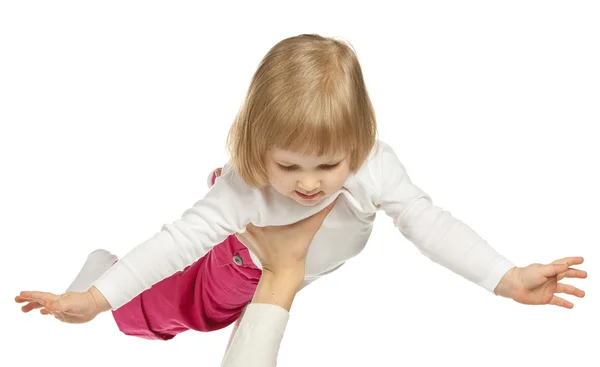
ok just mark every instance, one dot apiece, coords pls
pixel 295 167
pixel 330 166
pixel 287 168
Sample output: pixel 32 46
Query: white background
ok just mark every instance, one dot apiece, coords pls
pixel 114 112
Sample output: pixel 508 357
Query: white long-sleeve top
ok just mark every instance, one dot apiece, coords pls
pixel 381 184
pixel 258 337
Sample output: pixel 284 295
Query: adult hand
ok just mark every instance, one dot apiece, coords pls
pixel 283 249
pixel 282 252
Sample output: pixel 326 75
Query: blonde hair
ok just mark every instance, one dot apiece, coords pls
pixel 308 96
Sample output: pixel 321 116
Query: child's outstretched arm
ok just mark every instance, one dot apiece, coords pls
pixel 537 284
pixel 454 245
pixel 222 212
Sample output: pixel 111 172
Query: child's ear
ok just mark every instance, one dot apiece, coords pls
pixel 218 172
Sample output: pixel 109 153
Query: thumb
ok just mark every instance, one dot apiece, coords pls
pixel 61 304
pixel 551 270
pixel 318 218
pixel 329 207
pixel 323 213
pixel 53 306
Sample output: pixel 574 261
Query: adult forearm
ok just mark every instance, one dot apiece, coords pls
pixel 279 288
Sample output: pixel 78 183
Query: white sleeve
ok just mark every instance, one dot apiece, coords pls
pixel 223 211
pixel 258 337
pixel 434 231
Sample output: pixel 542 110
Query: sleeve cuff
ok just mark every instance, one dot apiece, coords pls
pixel 265 316
pixel 118 295
pixel 495 275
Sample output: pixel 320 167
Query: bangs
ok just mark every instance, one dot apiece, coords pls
pixel 320 126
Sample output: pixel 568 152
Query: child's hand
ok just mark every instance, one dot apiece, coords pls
pixel 536 284
pixel 70 307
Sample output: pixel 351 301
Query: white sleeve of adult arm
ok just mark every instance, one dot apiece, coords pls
pixel 258 337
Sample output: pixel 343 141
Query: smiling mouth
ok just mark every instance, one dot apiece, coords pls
pixel 307 197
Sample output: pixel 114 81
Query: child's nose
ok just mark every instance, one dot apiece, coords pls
pixel 309 184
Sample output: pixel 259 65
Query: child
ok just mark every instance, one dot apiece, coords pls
pixel 305 136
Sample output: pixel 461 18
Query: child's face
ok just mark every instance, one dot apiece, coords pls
pixel 307 179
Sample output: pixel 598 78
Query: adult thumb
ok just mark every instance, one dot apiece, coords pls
pixel 329 207
pixel 320 216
